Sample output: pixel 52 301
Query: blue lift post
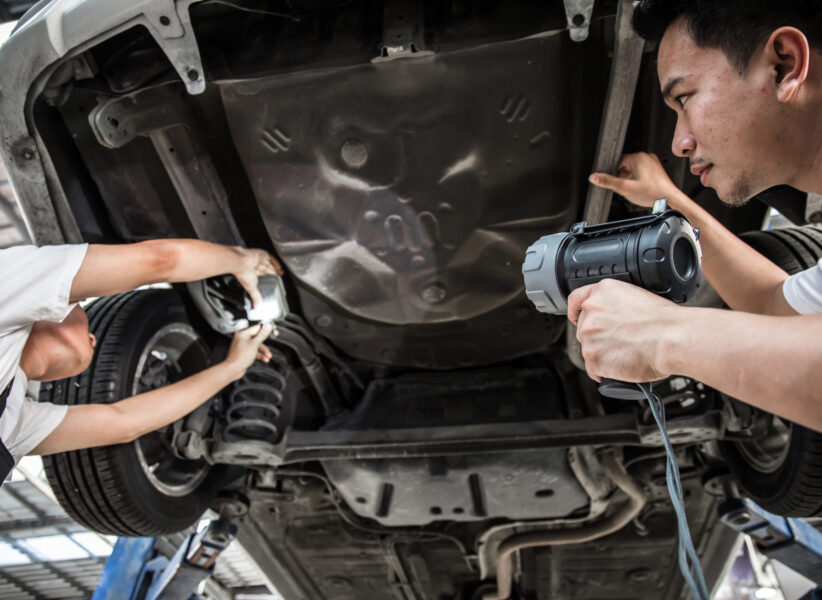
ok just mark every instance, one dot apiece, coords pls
pixel 135 571
pixel 123 568
pixel 792 542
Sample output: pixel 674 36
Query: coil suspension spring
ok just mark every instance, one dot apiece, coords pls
pixel 255 402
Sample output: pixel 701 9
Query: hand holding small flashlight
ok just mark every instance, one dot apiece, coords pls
pixel 272 305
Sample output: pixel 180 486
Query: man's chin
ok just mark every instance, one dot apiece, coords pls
pixel 739 194
pixel 735 201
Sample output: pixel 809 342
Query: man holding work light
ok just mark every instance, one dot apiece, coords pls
pixel 745 79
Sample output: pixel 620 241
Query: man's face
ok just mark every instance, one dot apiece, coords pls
pixel 61 349
pixel 727 122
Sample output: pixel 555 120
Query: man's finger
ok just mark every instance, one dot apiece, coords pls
pixel 629 161
pixel 589 369
pixel 609 182
pixel 254 294
pixel 575 300
pixel 248 332
pixel 579 322
pixel 592 376
pixel 263 333
pixel 275 264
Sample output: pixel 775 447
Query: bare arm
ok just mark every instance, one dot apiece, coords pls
pixel 91 425
pixel 771 362
pixel 110 269
pixel 746 280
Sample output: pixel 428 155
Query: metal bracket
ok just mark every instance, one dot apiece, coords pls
pixel 163 117
pixel 594 480
pixel 791 541
pixel 192 564
pixel 402 33
pixel 117 121
pixel 685 430
pixel 170 25
pixel 578 13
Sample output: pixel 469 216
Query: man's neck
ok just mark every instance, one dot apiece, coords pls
pixel 814 180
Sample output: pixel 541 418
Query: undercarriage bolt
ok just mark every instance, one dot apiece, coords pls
pixel 354 153
pixel 740 519
pixel 433 293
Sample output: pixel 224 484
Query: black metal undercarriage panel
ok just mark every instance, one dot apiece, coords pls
pixel 404 193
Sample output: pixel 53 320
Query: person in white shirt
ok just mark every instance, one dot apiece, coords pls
pixel 745 80
pixel 44 336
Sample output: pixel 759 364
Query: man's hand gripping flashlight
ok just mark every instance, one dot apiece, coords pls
pixel 659 252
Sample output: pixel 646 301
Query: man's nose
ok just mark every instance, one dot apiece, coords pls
pixel 683 143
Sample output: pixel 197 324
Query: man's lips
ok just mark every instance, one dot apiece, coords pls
pixel 702 171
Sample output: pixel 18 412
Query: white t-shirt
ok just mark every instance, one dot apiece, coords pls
pixel 35 284
pixel 803 291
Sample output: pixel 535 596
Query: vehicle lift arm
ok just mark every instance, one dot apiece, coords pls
pixel 790 541
pixel 136 571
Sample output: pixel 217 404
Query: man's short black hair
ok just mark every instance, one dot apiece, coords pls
pixel 737 27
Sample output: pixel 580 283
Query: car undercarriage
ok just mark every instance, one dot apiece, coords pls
pixel 422 431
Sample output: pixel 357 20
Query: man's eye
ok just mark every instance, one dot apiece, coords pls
pixel 681 99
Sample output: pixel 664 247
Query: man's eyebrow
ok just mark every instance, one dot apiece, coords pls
pixel 669 86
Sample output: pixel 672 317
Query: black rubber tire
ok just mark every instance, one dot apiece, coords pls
pixel 105 489
pixel 793 488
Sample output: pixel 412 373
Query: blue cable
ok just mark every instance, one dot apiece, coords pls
pixel 693 572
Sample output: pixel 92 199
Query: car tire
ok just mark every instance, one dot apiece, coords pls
pixel 782 472
pixel 140 488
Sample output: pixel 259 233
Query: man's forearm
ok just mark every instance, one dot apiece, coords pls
pixel 746 280
pixel 111 269
pixel 149 411
pixel 770 362
pixel 92 425
pixel 191 260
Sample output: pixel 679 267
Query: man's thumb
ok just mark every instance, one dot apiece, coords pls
pixel 604 180
pixel 264 332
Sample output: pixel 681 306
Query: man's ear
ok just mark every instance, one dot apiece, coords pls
pixel 788 55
